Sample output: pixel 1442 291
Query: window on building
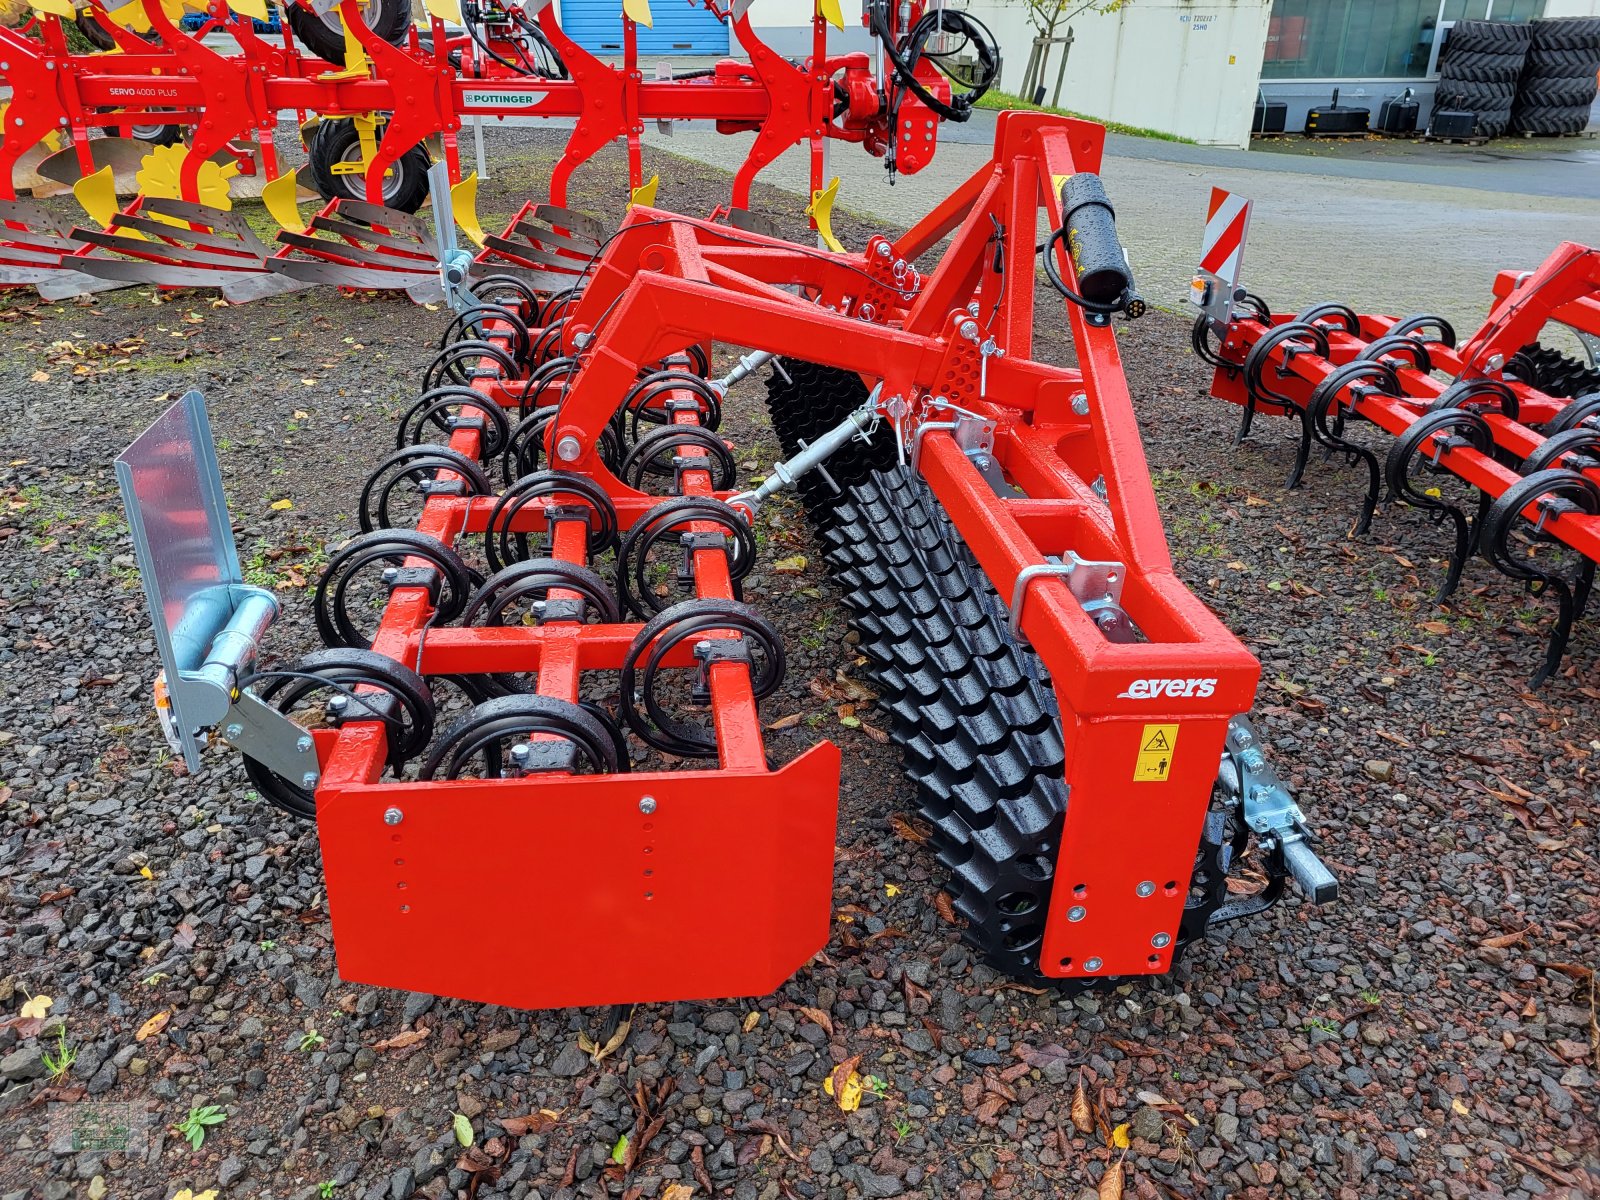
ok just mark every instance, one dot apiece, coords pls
pixel 1369 39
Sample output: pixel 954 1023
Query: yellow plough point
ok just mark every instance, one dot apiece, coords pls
pixel 638 11
pixel 820 210
pixel 464 203
pixel 279 198
pixel 831 13
pixel 448 11
pixel 254 9
pixel 97 194
pixel 55 8
pixel 645 195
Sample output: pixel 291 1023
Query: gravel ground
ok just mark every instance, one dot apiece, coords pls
pixel 1431 1035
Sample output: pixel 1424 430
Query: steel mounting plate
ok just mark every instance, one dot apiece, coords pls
pixel 183 542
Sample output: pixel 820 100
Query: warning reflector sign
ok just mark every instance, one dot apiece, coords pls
pixel 1156 745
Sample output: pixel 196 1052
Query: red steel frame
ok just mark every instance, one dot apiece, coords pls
pixel 1566 288
pixel 742 855
pixel 225 99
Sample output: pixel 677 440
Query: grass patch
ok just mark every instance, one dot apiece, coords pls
pixel 1004 100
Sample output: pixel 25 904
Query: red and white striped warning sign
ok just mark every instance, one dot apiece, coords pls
pixel 1222 253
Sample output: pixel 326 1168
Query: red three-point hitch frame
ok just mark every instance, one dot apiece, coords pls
pixel 1517 424
pixel 539 876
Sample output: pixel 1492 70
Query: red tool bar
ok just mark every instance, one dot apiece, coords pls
pixel 1303 372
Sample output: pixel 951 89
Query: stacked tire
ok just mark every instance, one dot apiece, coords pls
pixel 1558 83
pixel 1479 70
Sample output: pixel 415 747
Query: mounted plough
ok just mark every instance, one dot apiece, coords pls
pixel 557 549
pixel 1496 438
pixel 388 98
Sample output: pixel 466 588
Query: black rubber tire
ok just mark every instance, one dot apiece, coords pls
pixel 1566 33
pixel 389 19
pixel 1558 93
pixel 336 140
pixel 1498 37
pixel 1482 67
pixel 94 32
pixel 1555 63
pixel 155 135
pixel 1474 96
pixel 1551 121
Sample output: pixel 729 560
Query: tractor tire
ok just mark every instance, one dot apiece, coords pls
pixel 1561 64
pixel 1554 373
pixel 1482 67
pixel 337 141
pixel 1495 37
pixel 156 135
pixel 324 36
pixel 1558 93
pixel 1474 97
pixel 94 32
pixel 1567 33
pixel 1552 122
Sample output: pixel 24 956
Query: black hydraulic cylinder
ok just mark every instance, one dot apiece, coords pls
pixel 1091 225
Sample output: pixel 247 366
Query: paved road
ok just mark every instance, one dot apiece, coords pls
pixel 1399 231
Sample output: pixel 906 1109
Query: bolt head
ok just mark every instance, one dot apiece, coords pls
pixel 568 449
pixel 304 743
pixel 309 780
pixel 647 805
pixel 1092 964
pixel 1161 941
pixel 1496 362
pixel 393 816
pixel 1077 913
pixel 969 330
pixel 1146 888
pixel 1080 404
pixel 232 731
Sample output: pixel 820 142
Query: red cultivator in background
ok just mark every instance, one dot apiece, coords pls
pixel 1514 426
pixel 393 97
pixel 556 549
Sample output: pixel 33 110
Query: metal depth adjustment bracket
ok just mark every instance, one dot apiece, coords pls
pixel 208 621
pixel 1270 812
pixel 1096 586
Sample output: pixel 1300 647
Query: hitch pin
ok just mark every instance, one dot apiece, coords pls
pixel 987 350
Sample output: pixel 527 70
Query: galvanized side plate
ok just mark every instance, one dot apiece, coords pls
pixel 178 515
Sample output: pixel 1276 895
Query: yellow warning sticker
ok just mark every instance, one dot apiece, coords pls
pixel 1156 745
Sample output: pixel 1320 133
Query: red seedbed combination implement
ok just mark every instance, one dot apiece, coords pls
pixel 555 551
pixel 1497 437
pixel 387 98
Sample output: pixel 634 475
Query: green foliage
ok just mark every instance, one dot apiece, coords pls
pixel 201 1117
pixel 1002 100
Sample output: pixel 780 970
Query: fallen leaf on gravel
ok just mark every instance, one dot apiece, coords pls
pixel 400 1041
pixel 37 1007
pixel 946 908
pixel 677 1191
pixel 1082 1117
pixel 697 1160
pixel 844 1085
pixel 1111 1182
pixel 598 1053
pixel 788 722
pixel 463 1128
pixel 1505 939
pixel 907 830
pixel 183 936
pixel 988 1113
pixel 891 890
pixel 1460 1109
pixel 282 505
pixel 153 1026
pixel 752 1019
pixel 619 1152
pixel 540 1122
pixel 1043 1056
pixel 1119 1136
pixel 792 565
pixel 876 734
pixel 40 377
pixel 849 721
pixel 1439 627
pixel 1256 502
